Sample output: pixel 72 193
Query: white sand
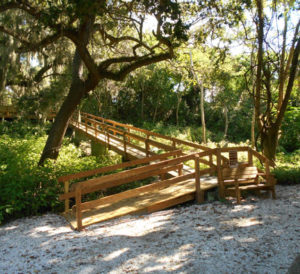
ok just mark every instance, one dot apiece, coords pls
pixel 258 236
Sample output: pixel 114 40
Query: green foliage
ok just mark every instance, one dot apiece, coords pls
pixel 290 137
pixel 27 189
pixel 23 128
pixel 287 169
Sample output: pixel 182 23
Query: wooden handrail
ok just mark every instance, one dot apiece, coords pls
pixel 96 171
pixel 110 125
pixel 147 132
pixel 123 129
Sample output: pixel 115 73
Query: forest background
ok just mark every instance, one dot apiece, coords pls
pixel 208 71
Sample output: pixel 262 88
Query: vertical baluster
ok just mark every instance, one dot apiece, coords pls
pixel 67 201
pixel 78 207
pixel 199 192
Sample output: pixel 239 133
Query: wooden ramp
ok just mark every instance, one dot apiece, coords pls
pixel 164 191
pixel 144 203
pixel 180 171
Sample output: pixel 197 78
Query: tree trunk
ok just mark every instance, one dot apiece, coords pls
pixel 202 113
pixel 177 108
pixel 269 141
pixel 253 129
pixel 226 122
pixel 142 102
pixel 78 90
pixel 201 88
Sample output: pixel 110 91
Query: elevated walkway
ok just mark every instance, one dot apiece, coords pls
pixel 177 171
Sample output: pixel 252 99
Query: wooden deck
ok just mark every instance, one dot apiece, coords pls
pixel 148 202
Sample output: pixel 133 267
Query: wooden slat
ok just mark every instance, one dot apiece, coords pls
pixel 111 182
pixel 136 171
pixel 170 203
pixel 143 203
pixel 135 192
pixel 88 173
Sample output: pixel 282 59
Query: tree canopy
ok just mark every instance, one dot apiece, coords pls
pixel 60 55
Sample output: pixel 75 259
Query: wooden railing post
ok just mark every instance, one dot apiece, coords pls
pixel 199 192
pixel 78 208
pixel 67 201
pixel 219 170
pixel 250 156
pixel 180 169
pixel 147 147
pixel 128 138
pixel 107 134
pixel 211 163
pixel 125 145
pixel 95 129
pixel 174 143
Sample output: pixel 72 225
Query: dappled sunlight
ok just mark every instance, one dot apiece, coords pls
pixel 239 208
pixel 244 222
pixel 115 254
pixel 10 227
pixel 188 239
pixel 247 240
pixel 48 230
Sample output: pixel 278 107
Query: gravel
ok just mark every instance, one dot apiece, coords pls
pixel 259 236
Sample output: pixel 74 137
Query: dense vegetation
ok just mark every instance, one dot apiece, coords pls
pixel 29 189
pixel 215 71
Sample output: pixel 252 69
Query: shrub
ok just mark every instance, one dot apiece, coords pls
pixel 287 170
pixel 27 189
pixel 290 137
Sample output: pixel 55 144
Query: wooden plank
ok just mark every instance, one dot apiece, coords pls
pixel 135 192
pixel 228 149
pixel 170 203
pixel 139 203
pixel 116 182
pixel 78 207
pixel 88 173
pixel 136 171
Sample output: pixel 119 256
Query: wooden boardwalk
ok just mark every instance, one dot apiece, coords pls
pixel 180 171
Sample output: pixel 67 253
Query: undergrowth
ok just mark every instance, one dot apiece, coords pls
pixel 26 188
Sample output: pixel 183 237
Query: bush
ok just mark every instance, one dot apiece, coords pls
pixel 27 189
pixel 287 169
pixel 290 137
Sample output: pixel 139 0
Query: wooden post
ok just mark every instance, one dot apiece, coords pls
pixel 78 208
pixel 219 169
pixel 79 118
pixel 107 134
pixel 180 170
pixel 147 145
pixel 250 157
pixel 267 168
pixel 125 144
pixel 114 125
pixel 128 136
pixel 199 192
pixel 211 163
pixel 173 143
pixel 67 201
